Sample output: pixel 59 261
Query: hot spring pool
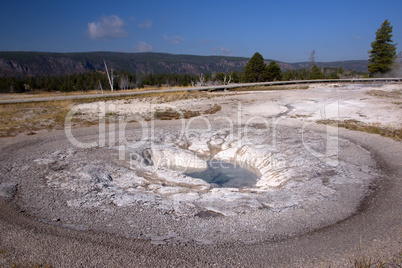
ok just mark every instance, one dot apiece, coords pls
pixel 224 174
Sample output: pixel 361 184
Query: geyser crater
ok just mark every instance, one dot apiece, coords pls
pixel 155 183
pixel 218 173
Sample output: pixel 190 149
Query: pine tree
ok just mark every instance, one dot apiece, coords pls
pixel 316 73
pixel 383 53
pixel 274 72
pixel 255 70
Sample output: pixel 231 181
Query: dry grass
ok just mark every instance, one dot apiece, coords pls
pixel 275 87
pixel 375 128
pixel 28 118
pixel 300 116
pixel 170 114
pixel 176 96
pixel 42 94
pixel 31 117
pixel 395 94
pixel 363 261
pixel 160 97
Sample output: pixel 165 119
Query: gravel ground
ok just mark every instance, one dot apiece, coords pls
pixel 68 206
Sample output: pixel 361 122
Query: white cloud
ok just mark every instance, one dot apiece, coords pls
pixel 146 24
pixel 223 50
pixel 226 50
pixel 175 40
pixel 107 28
pixel 143 47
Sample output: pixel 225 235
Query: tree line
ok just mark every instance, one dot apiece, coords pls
pixel 97 80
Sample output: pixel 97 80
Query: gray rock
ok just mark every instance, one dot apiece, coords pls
pixel 98 174
pixel 8 190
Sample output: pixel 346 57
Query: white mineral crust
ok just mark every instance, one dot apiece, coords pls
pixel 177 159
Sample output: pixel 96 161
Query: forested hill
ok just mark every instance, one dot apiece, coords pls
pixel 21 64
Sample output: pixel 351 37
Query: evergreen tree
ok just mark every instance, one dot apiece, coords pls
pixel 255 70
pixel 316 73
pixel 273 72
pixel 383 53
pixel 290 75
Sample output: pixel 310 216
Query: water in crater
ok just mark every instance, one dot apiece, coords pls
pixel 224 174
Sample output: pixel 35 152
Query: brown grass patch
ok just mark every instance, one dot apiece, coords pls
pixel 300 116
pixel 31 117
pixel 393 133
pixel 42 94
pixel 274 87
pixel 364 261
pixel 170 114
pixel 395 94
pixel 176 96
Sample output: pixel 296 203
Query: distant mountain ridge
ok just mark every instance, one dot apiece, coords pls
pixel 21 64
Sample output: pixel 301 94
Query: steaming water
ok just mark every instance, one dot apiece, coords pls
pixel 224 174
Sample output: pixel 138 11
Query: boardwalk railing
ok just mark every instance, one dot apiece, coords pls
pixel 202 88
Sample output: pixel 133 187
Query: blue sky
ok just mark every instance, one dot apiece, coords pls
pixel 280 30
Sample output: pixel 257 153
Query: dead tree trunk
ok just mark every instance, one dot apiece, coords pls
pixel 109 77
